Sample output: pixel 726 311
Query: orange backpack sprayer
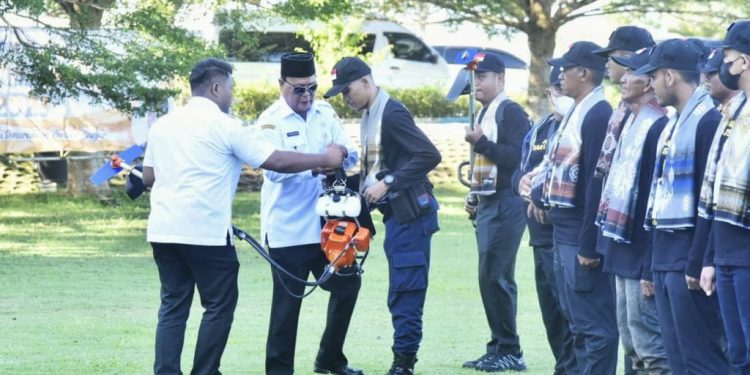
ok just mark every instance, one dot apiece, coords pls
pixel 342 239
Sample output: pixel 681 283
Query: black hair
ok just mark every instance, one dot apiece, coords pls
pixel 690 76
pixel 207 71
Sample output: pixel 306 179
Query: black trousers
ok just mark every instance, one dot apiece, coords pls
pixel 557 326
pixel 500 226
pixel 213 269
pixel 282 331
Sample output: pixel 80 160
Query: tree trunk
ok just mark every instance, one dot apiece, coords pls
pixel 542 46
pixel 79 171
pixel 88 16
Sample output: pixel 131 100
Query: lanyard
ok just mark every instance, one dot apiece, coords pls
pixel 728 130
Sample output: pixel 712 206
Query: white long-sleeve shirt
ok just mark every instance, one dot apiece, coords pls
pixel 288 200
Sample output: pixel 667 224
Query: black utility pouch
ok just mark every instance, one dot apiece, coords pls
pixel 403 206
pixel 409 204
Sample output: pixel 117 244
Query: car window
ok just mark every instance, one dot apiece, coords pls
pixel 368 44
pixel 408 47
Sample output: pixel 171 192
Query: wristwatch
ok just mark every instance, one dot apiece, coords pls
pixel 388 179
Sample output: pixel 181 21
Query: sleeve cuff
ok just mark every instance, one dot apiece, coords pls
pixel 588 252
pixel 482 144
pixel 693 269
pixel 647 275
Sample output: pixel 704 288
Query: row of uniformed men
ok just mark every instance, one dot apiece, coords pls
pixel 649 209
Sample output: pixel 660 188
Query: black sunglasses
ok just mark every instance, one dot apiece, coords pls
pixel 301 90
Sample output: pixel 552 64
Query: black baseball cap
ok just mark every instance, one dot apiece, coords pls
pixel 633 62
pixel 346 71
pixel 627 38
pixel 704 49
pixel 581 54
pixel 491 63
pixel 715 59
pixel 677 54
pixel 738 36
pixel 554 76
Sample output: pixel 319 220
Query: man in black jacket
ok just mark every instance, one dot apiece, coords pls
pixel 689 320
pixel 572 191
pixel 396 157
pixel 497 139
pixel 540 231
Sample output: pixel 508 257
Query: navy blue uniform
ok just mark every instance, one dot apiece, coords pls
pixel 637 318
pixel 409 155
pixel 586 294
pixel 689 320
pixel 556 323
pixel 633 260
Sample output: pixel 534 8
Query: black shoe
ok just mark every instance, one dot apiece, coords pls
pixel 400 370
pixel 402 364
pixel 502 362
pixel 476 362
pixel 344 370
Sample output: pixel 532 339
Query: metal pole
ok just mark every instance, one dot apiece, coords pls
pixel 471 120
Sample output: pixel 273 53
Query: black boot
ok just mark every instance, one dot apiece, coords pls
pixel 403 364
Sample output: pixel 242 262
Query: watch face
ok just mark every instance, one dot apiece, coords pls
pixel 388 179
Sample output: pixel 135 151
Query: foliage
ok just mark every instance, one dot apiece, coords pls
pixel 239 27
pixel 541 19
pixel 708 19
pixel 424 102
pixel 332 32
pixel 337 38
pixel 135 54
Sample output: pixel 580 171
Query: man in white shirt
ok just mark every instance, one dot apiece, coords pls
pixel 290 226
pixel 193 161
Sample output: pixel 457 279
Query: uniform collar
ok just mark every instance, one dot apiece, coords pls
pixel 205 103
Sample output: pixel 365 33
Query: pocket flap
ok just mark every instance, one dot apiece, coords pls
pixel 412 259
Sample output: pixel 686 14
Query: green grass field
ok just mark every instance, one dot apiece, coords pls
pixel 80 293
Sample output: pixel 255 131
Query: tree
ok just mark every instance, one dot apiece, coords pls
pixel 116 52
pixel 330 28
pixel 541 19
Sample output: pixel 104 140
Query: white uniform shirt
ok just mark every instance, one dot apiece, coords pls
pixel 287 201
pixel 197 153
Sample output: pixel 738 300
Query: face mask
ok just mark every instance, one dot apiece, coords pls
pixel 562 104
pixel 731 81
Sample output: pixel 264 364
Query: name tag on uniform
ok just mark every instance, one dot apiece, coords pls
pixel 292 134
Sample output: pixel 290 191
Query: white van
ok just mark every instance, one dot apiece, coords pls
pixel 403 61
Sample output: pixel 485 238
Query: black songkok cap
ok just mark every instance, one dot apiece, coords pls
pixel 297 65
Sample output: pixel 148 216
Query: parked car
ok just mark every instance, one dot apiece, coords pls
pixel 404 60
pixel 452 54
pixel 516 76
